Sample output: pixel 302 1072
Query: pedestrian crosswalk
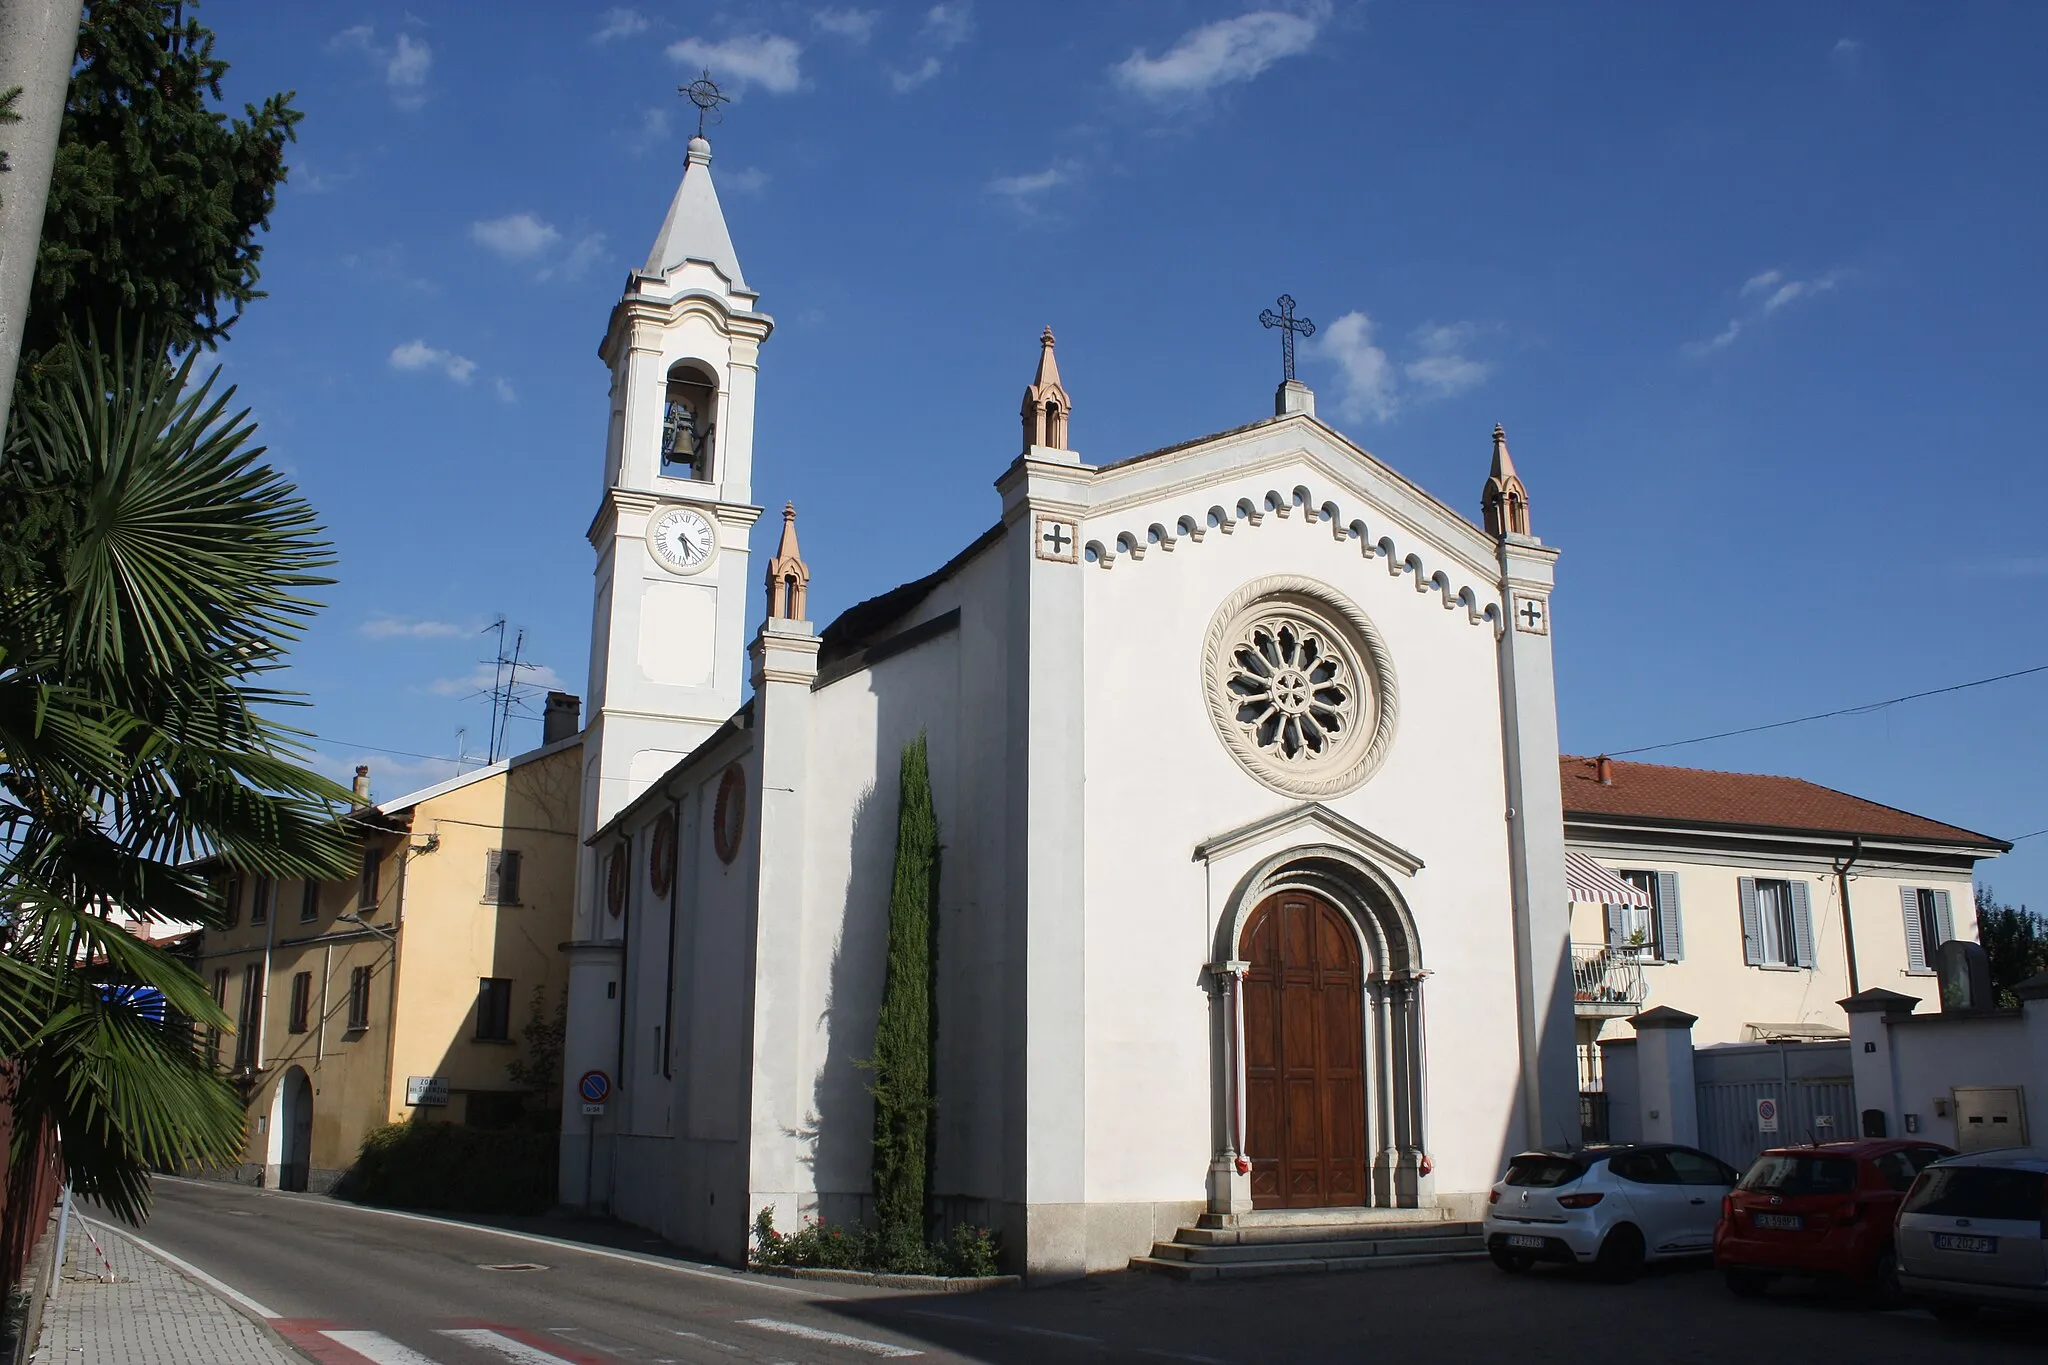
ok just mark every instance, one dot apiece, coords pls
pixel 473 1343
pixel 333 1345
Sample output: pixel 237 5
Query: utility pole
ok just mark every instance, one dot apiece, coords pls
pixel 38 39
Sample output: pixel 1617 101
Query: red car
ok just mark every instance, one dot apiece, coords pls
pixel 1822 1211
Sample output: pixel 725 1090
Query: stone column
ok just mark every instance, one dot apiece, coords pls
pixel 785 657
pixel 1045 848
pixel 1230 1168
pixel 1664 1076
pixel 1871 1014
pixel 1535 831
pixel 1381 1061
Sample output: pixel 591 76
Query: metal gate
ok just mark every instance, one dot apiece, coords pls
pixel 1809 1103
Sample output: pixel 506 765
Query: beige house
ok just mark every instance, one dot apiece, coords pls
pixel 404 991
pixel 1759 902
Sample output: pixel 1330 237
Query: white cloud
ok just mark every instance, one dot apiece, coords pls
pixel 1368 376
pixel 1222 52
pixel 389 777
pixel 416 355
pixel 907 81
pixel 1024 186
pixel 575 264
pixel 401 628
pixel 484 677
pixel 1771 291
pixel 619 23
pixel 503 388
pixel 854 25
pixel 949 25
pixel 752 180
pixel 1847 54
pixel 1443 367
pixel 406 61
pixel 516 236
pixel 764 59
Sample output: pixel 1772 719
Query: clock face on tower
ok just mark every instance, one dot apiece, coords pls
pixel 682 539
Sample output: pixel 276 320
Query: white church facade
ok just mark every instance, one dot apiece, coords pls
pixel 1244 752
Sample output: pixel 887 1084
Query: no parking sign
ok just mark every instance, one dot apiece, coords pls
pixel 1767 1116
pixel 594 1087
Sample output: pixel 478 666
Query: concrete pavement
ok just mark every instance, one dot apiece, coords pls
pixel 151 1313
pixel 349 1286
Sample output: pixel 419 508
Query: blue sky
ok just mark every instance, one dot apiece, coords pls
pixel 1755 288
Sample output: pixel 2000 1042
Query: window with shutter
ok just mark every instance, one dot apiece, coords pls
pixel 493 1009
pixel 1617 925
pixel 1944 921
pixel 259 900
pixel 231 901
pixel 1918 956
pixel 501 876
pixel 1670 926
pixel 1802 926
pixel 366 880
pixel 358 999
pixel 302 1001
pixel 309 902
pixel 1752 923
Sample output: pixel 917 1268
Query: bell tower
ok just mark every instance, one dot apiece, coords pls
pixel 667 657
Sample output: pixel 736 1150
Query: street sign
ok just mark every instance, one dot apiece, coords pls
pixel 595 1087
pixel 1767 1116
pixel 426 1090
pixel 593 1109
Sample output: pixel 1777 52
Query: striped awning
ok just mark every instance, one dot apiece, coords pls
pixel 1591 884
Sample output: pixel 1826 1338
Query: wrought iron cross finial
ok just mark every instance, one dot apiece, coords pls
pixel 705 94
pixel 1289 325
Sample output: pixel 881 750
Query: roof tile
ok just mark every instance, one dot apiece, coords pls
pixel 1751 800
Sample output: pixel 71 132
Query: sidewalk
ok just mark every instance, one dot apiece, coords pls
pixel 152 1314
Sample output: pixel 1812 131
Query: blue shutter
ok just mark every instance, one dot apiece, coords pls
pixel 1943 920
pixel 1802 925
pixel 1916 946
pixel 1617 925
pixel 1670 927
pixel 1752 924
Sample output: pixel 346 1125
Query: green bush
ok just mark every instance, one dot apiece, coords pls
pixel 967 1250
pixel 453 1168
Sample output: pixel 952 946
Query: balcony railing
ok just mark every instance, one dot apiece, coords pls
pixel 1607 981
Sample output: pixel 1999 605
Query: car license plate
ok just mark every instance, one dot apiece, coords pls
pixel 1950 1241
pixel 1786 1222
pixel 1522 1239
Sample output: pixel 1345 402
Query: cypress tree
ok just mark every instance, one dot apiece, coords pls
pixel 906 1027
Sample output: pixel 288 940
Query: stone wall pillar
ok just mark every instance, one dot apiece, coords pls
pixel 1668 1100
pixel 1876 1074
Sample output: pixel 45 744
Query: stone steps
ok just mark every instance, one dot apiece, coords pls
pixel 1279 1248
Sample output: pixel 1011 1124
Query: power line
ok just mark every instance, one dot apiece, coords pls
pixel 1864 709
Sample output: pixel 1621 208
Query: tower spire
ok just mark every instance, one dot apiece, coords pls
pixel 789 578
pixel 695 227
pixel 1504 502
pixel 1046 405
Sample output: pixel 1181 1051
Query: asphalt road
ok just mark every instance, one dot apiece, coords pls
pixel 337 1276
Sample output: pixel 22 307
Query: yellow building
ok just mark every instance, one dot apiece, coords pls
pixel 405 991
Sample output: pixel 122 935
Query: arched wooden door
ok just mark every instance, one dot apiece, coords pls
pixel 1304 1050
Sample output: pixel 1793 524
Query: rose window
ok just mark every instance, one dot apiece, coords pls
pixel 1297 694
pixel 1299 686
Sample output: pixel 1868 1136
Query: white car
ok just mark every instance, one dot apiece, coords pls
pixel 1974 1231
pixel 1609 1207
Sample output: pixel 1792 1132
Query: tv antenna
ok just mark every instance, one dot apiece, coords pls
pixel 505 685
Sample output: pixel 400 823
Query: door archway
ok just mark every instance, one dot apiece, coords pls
pixel 1304 1055
pixel 297 1122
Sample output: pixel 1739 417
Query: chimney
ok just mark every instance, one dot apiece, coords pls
pixel 363 783
pixel 562 718
pixel 1605 766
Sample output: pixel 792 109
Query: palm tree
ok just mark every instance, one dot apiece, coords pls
pixel 152 570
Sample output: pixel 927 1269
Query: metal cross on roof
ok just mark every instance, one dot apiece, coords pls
pixel 705 94
pixel 1288 325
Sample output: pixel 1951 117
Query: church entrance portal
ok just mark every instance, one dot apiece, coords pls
pixel 1304 1047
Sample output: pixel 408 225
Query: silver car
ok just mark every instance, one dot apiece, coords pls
pixel 1974 1230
